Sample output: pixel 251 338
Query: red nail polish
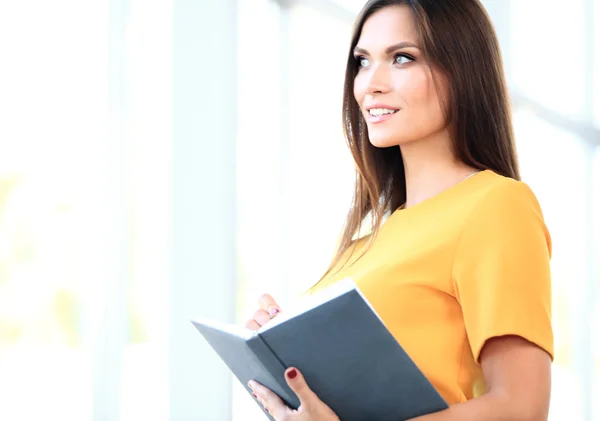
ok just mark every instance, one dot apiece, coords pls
pixel 254 394
pixel 267 410
pixel 292 374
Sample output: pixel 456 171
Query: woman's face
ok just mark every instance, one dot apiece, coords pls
pixel 394 86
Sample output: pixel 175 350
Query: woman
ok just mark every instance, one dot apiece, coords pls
pixel 460 271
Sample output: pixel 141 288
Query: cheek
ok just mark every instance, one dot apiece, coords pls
pixel 416 89
pixel 424 106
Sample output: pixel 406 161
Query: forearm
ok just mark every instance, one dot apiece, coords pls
pixel 487 408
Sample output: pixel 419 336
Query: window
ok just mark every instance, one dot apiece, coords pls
pixel 53 199
pixel 565 200
pixel 542 56
pixel 84 209
pixel 557 141
pixel 144 391
pixel 595 323
pixel 596 63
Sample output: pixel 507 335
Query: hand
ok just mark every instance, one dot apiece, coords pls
pixel 311 407
pixel 268 309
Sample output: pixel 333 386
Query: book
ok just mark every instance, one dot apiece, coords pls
pixel 343 349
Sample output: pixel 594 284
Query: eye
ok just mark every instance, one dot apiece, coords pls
pixel 362 61
pixel 403 59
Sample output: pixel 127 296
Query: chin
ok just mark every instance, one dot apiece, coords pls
pixel 382 145
pixel 385 141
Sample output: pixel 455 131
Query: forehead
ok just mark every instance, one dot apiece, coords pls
pixel 388 26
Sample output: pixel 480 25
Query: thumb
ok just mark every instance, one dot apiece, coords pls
pixel 296 382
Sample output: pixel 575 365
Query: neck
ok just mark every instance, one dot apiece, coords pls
pixel 430 167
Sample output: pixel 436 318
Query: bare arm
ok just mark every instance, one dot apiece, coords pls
pixel 517 375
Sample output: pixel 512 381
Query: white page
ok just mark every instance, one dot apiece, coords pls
pixel 234 329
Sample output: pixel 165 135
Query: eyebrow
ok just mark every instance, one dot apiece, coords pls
pixel 390 49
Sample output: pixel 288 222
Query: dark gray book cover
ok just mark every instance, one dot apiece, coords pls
pixel 343 349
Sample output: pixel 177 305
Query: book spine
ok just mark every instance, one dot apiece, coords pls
pixel 276 369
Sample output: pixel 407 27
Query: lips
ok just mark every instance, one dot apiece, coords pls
pixel 376 112
pixel 380 106
pixel 380 113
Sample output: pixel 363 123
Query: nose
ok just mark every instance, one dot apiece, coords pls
pixel 378 80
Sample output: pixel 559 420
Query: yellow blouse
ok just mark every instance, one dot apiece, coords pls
pixel 453 271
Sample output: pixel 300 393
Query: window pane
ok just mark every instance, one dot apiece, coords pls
pixel 148 64
pixel 54 107
pixel 258 169
pixel 554 164
pixel 547 52
pixel 595 326
pixel 322 194
pixel 596 71
pixel 354 6
pixel 290 92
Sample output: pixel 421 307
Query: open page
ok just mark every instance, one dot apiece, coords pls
pixel 231 328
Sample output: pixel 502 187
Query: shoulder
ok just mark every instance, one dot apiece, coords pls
pixel 503 212
pixel 503 197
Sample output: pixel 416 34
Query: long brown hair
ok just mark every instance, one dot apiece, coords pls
pixel 458 39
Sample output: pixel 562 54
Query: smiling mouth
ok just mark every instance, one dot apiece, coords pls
pixel 378 112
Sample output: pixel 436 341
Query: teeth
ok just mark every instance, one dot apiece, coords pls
pixel 380 111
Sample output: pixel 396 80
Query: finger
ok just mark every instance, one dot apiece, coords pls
pixel 296 382
pixel 271 402
pixel 252 325
pixel 267 303
pixel 261 317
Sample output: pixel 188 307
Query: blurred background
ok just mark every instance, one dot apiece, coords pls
pixel 167 159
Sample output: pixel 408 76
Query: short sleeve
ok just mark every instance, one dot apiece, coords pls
pixel 501 269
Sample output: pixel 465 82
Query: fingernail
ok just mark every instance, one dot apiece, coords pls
pixel 251 384
pixel 274 311
pixel 267 410
pixel 254 394
pixel 292 373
